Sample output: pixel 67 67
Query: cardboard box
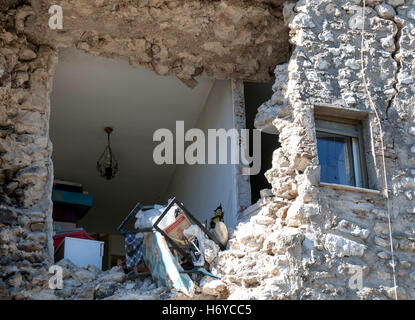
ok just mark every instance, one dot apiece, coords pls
pixel 175 230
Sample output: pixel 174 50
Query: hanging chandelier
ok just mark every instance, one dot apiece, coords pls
pixel 107 166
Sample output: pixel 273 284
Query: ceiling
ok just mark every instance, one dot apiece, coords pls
pixel 90 93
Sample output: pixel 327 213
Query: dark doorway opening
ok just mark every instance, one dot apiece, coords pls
pixel 256 94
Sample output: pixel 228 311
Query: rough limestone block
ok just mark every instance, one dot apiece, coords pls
pixel 343 247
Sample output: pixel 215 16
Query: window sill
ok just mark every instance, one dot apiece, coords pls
pixel 349 188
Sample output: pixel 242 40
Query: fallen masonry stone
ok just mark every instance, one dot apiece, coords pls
pixel 92 269
pixel 84 275
pixel 72 283
pixel 116 277
pixel 44 295
pixel 105 289
pixel 85 292
pixel 214 287
pixel 130 285
pixel 264 220
pixel 280 241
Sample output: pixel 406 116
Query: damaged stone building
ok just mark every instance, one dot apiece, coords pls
pixel 341 172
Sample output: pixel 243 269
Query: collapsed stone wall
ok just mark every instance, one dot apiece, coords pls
pixel 304 238
pixel 183 38
pixel 306 241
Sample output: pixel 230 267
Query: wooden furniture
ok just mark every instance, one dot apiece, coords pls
pixel 113 249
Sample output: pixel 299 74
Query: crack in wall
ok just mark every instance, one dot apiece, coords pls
pixel 396 57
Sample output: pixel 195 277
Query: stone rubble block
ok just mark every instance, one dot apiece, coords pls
pixel 343 247
pixel 280 241
pixel 214 287
pixel 84 275
pixel 299 213
pixel 382 242
pixel 88 282
pixel 385 11
pixel 114 275
pixel 353 229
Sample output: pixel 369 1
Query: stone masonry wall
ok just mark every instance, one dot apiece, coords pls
pixel 221 39
pixel 306 241
pixel 26 172
pixel 183 38
pixel 302 239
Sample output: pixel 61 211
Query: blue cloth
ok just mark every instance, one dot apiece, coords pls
pixel 133 249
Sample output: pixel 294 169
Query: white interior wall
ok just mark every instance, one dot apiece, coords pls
pixel 90 93
pixel 202 188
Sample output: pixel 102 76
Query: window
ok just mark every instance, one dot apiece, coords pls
pixel 340 153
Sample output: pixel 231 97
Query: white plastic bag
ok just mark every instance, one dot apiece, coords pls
pixel 147 218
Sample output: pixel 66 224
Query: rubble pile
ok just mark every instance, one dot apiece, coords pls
pixel 259 259
pixel 89 283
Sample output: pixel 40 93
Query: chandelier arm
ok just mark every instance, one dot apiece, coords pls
pixel 102 154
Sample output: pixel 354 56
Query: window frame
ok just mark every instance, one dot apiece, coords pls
pixel 357 144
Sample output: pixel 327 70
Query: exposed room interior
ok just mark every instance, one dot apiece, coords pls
pixel 91 93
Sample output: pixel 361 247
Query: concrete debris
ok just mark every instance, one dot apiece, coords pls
pixel 213 287
pixel 89 283
pixel 277 106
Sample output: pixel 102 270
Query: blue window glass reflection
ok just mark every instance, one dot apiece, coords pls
pixel 334 153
